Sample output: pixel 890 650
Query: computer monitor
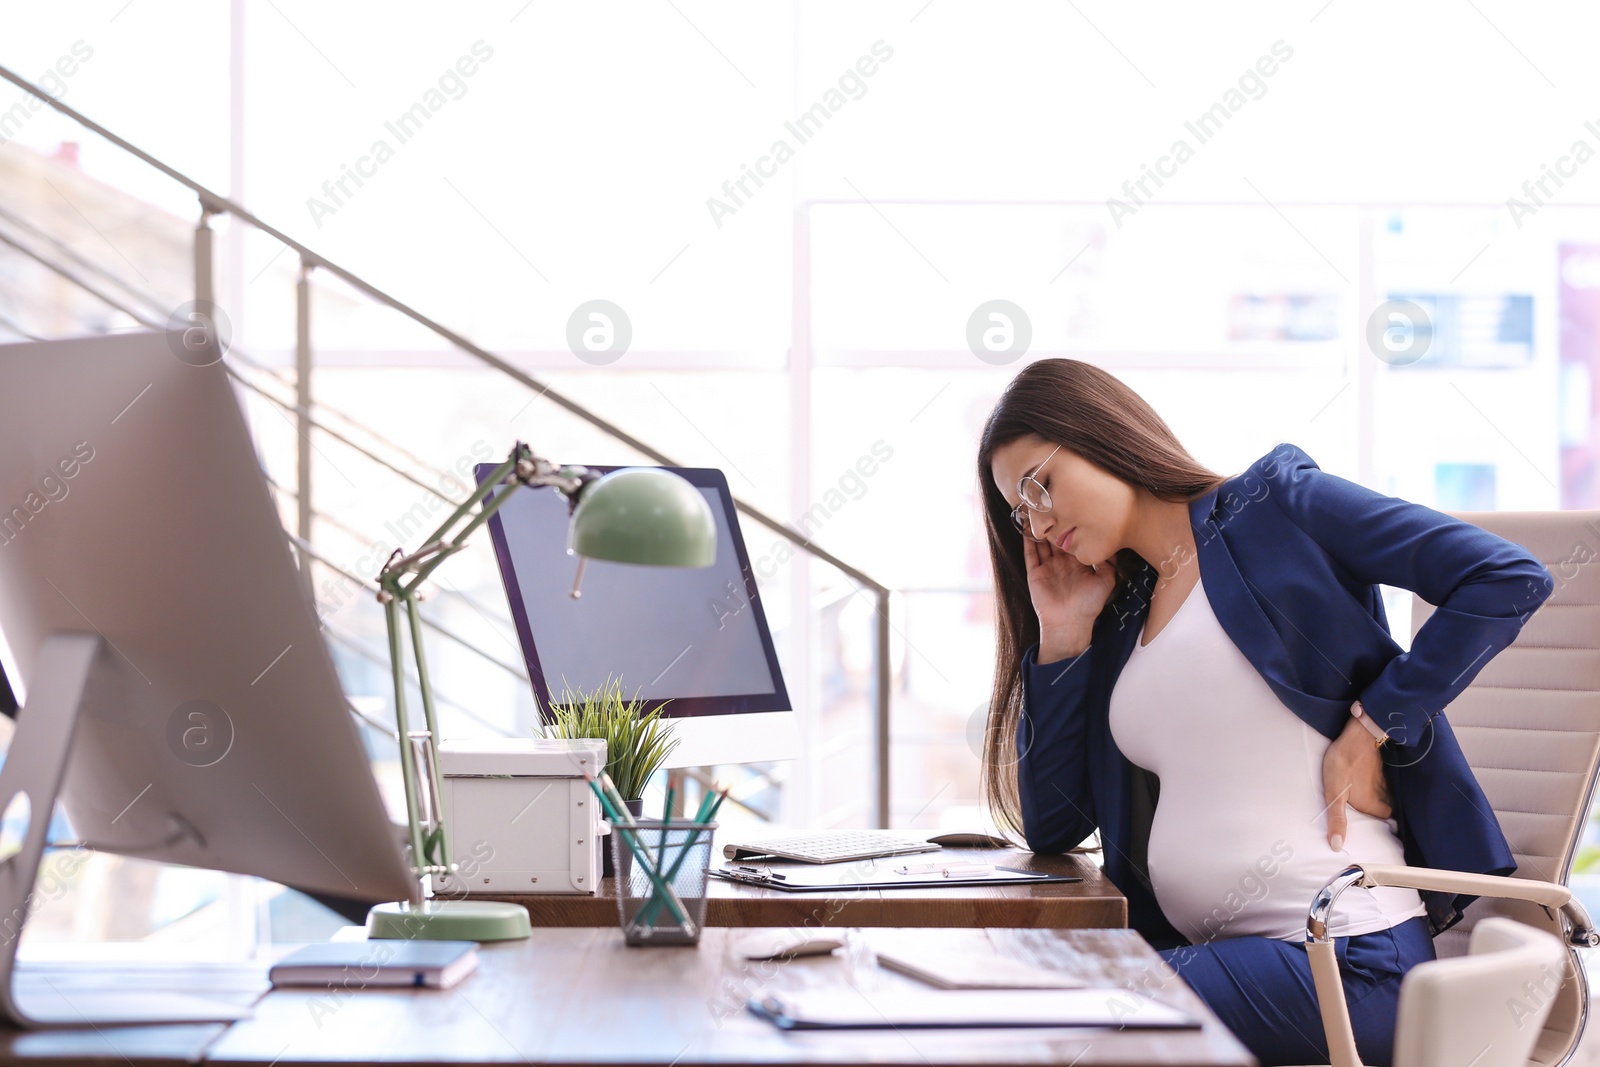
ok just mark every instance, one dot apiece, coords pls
pixel 164 651
pixel 693 639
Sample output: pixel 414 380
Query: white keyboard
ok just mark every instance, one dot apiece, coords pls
pixel 830 846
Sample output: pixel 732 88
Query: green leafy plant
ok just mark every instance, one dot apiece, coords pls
pixel 637 743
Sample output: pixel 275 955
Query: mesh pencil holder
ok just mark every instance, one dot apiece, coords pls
pixel 680 851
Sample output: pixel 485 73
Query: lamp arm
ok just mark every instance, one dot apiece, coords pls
pixel 443 551
pixel 391 617
pixel 436 845
pixel 501 473
pixel 521 468
pixel 398 581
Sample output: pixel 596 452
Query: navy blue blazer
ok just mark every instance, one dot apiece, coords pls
pixel 1292 558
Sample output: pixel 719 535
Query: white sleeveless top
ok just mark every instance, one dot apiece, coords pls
pixel 1239 840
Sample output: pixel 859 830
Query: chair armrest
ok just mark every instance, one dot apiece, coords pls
pixel 1580 930
pixel 1550 894
pixel 1546 893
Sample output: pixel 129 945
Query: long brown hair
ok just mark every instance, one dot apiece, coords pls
pixel 1088 411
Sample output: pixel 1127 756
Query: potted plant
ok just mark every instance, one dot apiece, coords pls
pixel 637 743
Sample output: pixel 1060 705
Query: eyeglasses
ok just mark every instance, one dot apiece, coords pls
pixel 1034 496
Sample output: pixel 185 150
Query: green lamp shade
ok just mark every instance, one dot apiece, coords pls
pixel 645 515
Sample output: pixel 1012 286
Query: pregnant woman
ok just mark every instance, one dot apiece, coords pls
pixel 1199 667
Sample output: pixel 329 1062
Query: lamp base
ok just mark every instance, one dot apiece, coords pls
pixel 449 920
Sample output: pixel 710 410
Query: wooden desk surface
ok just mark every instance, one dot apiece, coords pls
pixel 580 996
pixel 1093 902
pixel 77 980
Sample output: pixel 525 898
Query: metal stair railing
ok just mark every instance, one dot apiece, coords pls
pixel 348 641
pixel 212 203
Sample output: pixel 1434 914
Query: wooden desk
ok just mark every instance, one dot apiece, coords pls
pixel 240 983
pixel 1093 902
pixel 580 996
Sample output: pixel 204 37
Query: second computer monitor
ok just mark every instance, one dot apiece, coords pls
pixel 694 639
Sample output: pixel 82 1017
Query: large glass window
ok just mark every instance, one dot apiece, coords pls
pixel 835 234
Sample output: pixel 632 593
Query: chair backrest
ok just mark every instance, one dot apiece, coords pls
pixel 1486 1009
pixel 1529 725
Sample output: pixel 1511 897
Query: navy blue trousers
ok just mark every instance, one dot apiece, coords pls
pixel 1261 988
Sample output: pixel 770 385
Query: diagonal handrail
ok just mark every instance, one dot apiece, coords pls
pixel 234 355
pixel 213 203
pixel 65 250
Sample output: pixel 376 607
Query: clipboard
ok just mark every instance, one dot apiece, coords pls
pixel 845 1009
pixel 809 879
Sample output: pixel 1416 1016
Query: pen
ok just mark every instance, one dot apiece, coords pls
pixel 947 870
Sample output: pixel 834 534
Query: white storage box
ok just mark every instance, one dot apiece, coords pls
pixel 520 815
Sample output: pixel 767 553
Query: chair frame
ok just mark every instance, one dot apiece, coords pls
pixel 1566 916
pixel 1578 932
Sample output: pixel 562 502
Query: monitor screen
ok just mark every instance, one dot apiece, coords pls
pixel 694 639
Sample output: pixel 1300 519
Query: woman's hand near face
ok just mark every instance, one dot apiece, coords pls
pixel 1067 597
pixel 1352 773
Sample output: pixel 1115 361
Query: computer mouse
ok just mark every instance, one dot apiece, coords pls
pixel 970 839
pixel 781 944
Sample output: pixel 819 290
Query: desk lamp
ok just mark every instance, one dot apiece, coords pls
pixel 631 515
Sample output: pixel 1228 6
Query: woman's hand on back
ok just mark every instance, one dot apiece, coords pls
pixel 1352 773
pixel 1067 597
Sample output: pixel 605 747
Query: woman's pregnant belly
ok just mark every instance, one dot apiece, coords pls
pixel 1239 840
pixel 1231 864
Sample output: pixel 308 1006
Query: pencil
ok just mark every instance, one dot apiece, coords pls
pixel 622 822
pixel 701 818
pixel 705 803
pixel 666 821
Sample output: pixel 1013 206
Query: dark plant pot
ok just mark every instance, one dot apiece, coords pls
pixel 607 868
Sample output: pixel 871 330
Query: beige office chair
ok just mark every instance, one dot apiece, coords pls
pixel 1486 1008
pixel 1529 725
